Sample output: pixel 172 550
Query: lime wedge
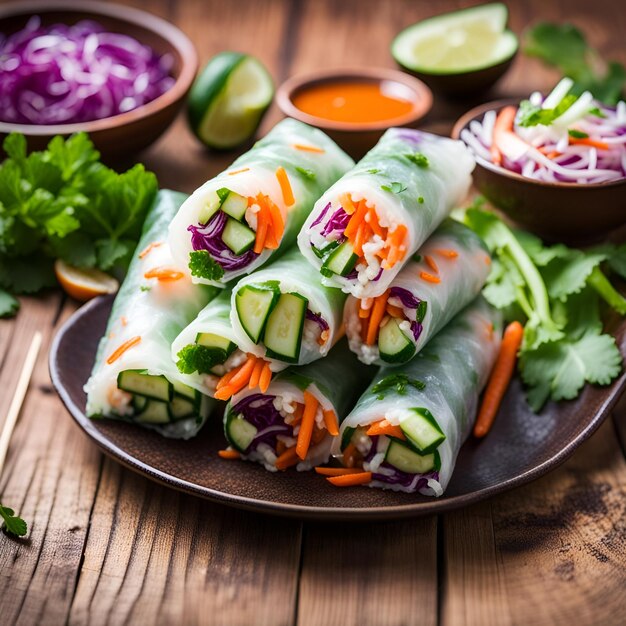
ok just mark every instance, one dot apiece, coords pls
pixel 228 99
pixel 457 42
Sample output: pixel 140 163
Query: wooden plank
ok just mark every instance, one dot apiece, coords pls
pixel 50 478
pixel 369 574
pixel 547 553
pixel 155 556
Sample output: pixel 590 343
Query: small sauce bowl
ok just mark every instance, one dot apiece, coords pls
pixel 358 134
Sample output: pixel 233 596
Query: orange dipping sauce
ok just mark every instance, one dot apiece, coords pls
pixel 359 102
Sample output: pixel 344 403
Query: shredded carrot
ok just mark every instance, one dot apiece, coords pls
pixel 281 446
pixel 229 454
pixel 504 123
pixel 256 374
pixel 378 312
pixel 265 378
pixel 429 278
pixel 362 236
pixel 125 346
pixel 225 393
pixel 285 186
pixel 587 141
pixel 262 224
pixel 276 217
pixel 364 313
pixel 238 381
pixel 349 455
pixel 287 459
pixel 124 320
pixel 431 263
pixel 243 169
pixel 323 338
pixel 224 380
pixel 306 428
pixel 149 248
pixel 374 224
pixel 297 414
pixel 299 146
pixel 395 311
pixel 318 435
pixel 337 471
pixel 346 203
pixel 449 254
pixel 383 427
pixel 164 274
pixel 383 253
pixel 394 242
pixel 331 421
pixel 355 221
pixel 351 480
pixel 499 379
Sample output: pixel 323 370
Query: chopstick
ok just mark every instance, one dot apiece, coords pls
pixel 18 397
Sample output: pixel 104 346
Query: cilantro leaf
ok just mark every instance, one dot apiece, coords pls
pixel 202 265
pixel 421 160
pixel 394 187
pixel 532 115
pixel 201 359
pixel 13 524
pixel 568 274
pixel 309 174
pixel 9 305
pixel 397 383
pixel 26 274
pixel 373 171
pixel 577 134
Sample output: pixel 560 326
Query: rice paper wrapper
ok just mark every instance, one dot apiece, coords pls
pixel 453 368
pixel 155 311
pixel 310 173
pixel 295 275
pixel 461 279
pixel 416 195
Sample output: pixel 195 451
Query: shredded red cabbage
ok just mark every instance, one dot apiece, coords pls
pixel 337 222
pixel 405 296
pixel 321 216
pixel 209 237
pixel 416 329
pixel 65 74
pixel 260 411
pixel 317 318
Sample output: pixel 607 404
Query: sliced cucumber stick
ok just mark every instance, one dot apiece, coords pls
pixel 254 304
pixel 211 340
pixel 154 413
pixel 138 382
pixel 404 458
pixel 233 204
pixel 239 432
pixel 237 237
pixel 422 429
pixel 393 344
pixel 340 261
pixel 283 333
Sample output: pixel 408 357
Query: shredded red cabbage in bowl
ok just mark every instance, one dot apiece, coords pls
pixel 63 74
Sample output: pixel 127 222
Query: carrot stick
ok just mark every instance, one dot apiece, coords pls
pixel 306 428
pixel 500 378
pixel 265 378
pixel 224 380
pixel 355 221
pixel 287 459
pixel 225 393
pixel 331 421
pixel 299 146
pixel 276 218
pixel 285 186
pixel 337 471
pixel 587 141
pixel 229 454
pixel 431 263
pixel 378 312
pixel 429 278
pixel 351 480
pixel 374 224
pixel 395 311
pixel 164 273
pixel 149 248
pixel 125 346
pixel 243 169
pixel 297 414
pixel 394 241
pixel 364 313
pixel 362 236
pixel 256 374
pixel 238 381
pixel 262 224
pixel 449 254
pixel 383 427
pixel 347 204
pixel 504 123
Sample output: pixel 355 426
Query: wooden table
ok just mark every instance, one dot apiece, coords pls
pixel 108 546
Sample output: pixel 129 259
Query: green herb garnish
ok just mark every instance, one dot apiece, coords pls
pixel 531 115
pixel 397 383
pixel 310 174
pixel 200 359
pixel 222 193
pixel 577 134
pixel 421 160
pixel 420 200
pixel 202 265
pixel 13 524
pixel 373 171
pixel 394 188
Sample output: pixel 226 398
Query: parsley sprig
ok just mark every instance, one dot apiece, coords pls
pixel 397 383
pixel 202 265
pixel 12 523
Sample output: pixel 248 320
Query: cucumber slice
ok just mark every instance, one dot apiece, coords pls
pixel 420 314
pixel 185 391
pixel 154 413
pixel 137 381
pixel 457 42
pixel 253 304
pixel 233 204
pixel 422 429
pixel 239 432
pixel 394 346
pixel 228 99
pixel 340 261
pixel 180 408
pixel 211 340
pixel 408 460
pixel 237 237
pixel 139 403
pixel 209 210
pixel 320 253
pixel 283 333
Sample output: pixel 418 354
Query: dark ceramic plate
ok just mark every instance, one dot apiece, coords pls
pixel 521 447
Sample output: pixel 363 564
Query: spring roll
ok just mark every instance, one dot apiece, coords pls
pixel 371 221
pixel 236 221
pixel 442 278
pixel 285 315
pixel 408 426
pixel 295 421
pixel 134 377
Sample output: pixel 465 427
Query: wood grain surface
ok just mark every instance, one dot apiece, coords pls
pixel 108 547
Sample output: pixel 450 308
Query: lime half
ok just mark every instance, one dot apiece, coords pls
pixel 228 99
pixel 457 42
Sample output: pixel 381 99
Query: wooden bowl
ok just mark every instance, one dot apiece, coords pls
pixel 565 212
pixel 355 138
pixel 127 133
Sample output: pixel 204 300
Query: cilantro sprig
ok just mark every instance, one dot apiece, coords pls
pixel 556 291
pixel 394 187
pixel 202 265
pixel 12 523
pixel 397 383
